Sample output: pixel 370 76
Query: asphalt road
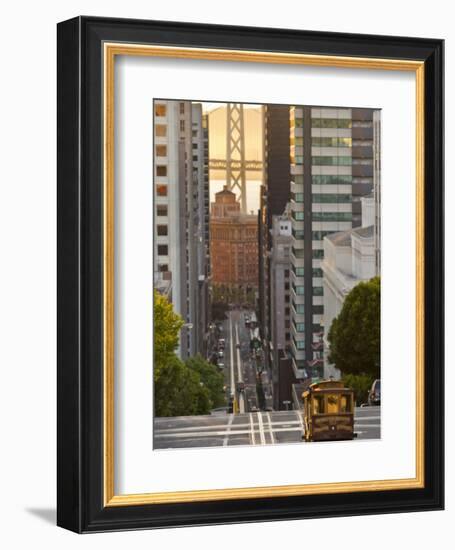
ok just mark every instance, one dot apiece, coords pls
pixel 256 428
pixel 238 363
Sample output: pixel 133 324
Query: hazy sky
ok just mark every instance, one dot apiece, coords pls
pixel 209 106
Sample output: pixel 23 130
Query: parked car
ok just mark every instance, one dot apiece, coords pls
pixel 221 365
pixel 374 395
pixel 221 353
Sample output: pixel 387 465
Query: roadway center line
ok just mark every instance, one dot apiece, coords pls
pixel 226 438
pixel 261 428
pixel 252 434
pixel 272 437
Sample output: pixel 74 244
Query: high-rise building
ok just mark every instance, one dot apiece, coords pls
pixel 329 176
pixel 179 199
pixel 280 314
pixel 273 199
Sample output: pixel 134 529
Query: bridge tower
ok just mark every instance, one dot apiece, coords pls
pixel 235 152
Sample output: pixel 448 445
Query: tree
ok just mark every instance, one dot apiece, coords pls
pixel 179 391
pixel 210 377
pixel 361 384
pixel 354 335
pixel 167 325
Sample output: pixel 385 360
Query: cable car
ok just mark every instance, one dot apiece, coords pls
pixel 328 412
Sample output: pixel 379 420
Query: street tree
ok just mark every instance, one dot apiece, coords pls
pixel 167 325
pixel 354 335
pixel 211 378
pixel 179 390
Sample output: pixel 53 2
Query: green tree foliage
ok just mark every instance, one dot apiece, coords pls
pixel 354 336
pixel 178 390
pixel 211 378
pixel 167 325
pixel 361 384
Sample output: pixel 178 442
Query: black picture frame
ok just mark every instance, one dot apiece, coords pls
pixel 80 474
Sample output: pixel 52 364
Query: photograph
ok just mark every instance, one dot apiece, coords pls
pixel 267 273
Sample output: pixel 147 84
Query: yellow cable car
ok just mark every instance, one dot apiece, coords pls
pixel 328 411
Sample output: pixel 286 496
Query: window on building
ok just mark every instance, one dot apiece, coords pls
pixel 160 130
pixel 317 272
pixel 182 108
pixel 161 150
pixel 318 291
pixel 163 267
pixel 161 230
pixel 331 161
pixel 318 254
pixel 182 125
pixel 331 180
pixel 332 198
pixel 162 250
pixel 332 216
pixel 298 216
pixel 286 273
pixel 160 109
pixel 286 299
pixel 161 170
pixel 286 286
pixel 287 311
pixel 299 327
pixel 161 190
pixel 161 210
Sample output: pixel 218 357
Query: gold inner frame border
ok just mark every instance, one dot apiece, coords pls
pixel 110 51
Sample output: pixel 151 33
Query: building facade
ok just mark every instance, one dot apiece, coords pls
pixel 233 244
pixel 279 343
pixel 273 199
pixel 329 175
pixel 178 222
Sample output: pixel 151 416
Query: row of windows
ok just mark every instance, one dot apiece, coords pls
pixel 332 216
pixel 299 308
pixel 318 291
pixel 297 234
pixel 331 161
pixel 332 197
pixel 331 123
pixel 297 197
pixel 298 252
pixel 331 142
pixel 297 215
pixel 326 180
pixel 331 180
pixel 299 327
pixel 318 254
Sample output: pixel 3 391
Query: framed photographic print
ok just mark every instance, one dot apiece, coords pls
pixel 250 274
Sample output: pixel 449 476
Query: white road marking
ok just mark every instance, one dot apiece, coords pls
pixel 261 428
pixel 272 437
pixel 252 434
pixel 226 438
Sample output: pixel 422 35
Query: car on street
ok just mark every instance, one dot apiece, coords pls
pixel 221 353
pixel 374 395
pixel 221 365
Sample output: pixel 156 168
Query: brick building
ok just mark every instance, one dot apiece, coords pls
pixel 233 243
